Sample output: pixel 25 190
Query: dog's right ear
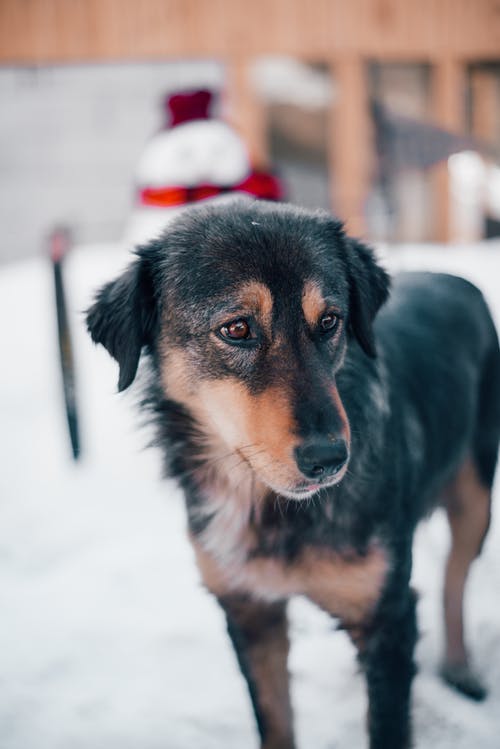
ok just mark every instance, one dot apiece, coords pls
pixel 123 318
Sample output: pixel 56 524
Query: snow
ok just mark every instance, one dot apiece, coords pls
pixel 107 638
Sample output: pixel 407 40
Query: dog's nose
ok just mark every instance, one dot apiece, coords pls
pixel 320 458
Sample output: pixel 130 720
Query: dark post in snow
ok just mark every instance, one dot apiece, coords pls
pixel 59 245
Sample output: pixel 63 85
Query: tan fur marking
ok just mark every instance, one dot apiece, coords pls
pixel 341 411
pixel 468 505
pixel 348 588
pixel 269 669
pixel 175 374
pixel 313 303
pixel 261 425
pixel 270 420
pixel 265 647
pixel 224 471
pixel 252 298
pixel 248 439
pixel 176 371
pixel 256 296
pixel 212 573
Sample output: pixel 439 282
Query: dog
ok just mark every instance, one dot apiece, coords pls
pixel 313 412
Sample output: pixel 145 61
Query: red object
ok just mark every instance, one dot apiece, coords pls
pixel 259 184
pixel 188 106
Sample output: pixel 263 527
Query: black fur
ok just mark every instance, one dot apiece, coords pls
pixel 420 383
pixel 124 319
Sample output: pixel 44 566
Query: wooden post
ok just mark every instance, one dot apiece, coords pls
pixel 246 110
pixel 350 143
pixel 448 107
pixel 485 118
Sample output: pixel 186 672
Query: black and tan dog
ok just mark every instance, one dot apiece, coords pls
pixel 270 382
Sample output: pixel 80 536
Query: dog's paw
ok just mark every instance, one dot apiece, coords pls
pixel 462 677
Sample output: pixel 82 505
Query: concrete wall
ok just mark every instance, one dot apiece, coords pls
pixel 69 140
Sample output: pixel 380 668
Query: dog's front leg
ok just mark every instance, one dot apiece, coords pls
pixel 259 635
pixel 387 656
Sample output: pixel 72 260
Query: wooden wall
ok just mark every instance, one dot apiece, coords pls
pixel 76 30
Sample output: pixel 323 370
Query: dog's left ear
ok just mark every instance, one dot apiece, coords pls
pixel 368 289
pixel 123 318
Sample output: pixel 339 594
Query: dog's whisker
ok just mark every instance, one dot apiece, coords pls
pixel 207 462
pixel 204 464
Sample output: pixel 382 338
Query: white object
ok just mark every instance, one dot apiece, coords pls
pixel 194 153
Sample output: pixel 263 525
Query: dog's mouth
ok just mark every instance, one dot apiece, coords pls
pixel 306 489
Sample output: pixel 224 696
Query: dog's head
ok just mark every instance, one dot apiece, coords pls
pixel 248 308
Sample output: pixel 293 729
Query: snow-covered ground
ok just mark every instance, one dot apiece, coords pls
pixel 107 639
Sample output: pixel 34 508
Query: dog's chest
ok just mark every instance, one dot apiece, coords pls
pixel 347 585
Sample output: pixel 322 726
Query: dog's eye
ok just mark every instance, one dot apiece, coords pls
pixel 328 322
pixel 236 330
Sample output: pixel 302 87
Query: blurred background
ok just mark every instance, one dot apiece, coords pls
pixel 115 115
pixel 387 112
